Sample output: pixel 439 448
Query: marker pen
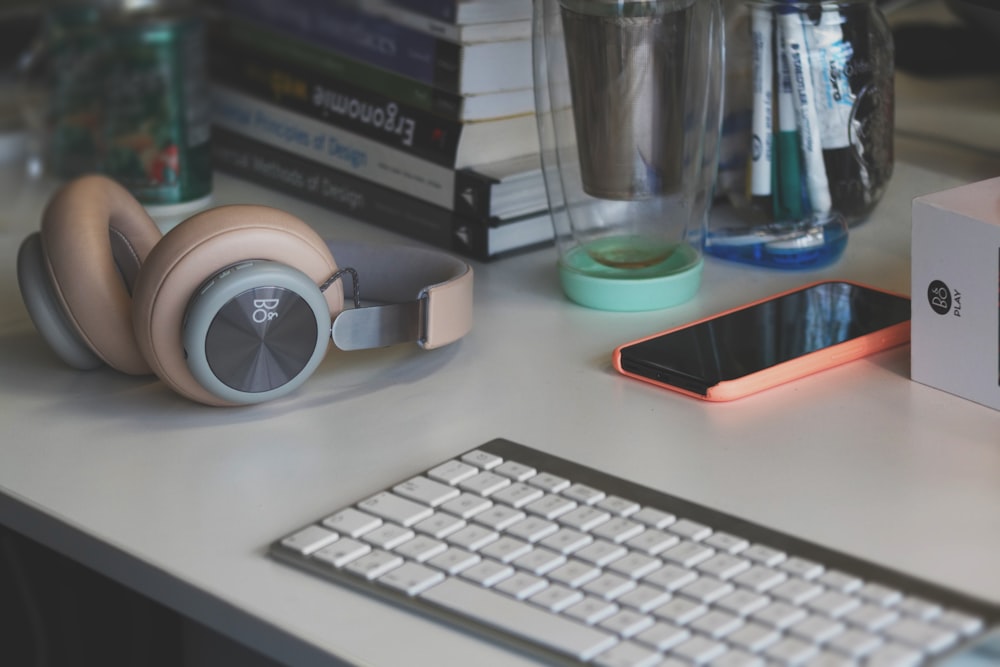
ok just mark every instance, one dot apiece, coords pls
pixel 790 202
pixel 793 36
pixel 761 146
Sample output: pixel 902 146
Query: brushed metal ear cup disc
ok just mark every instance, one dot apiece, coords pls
pixel 256 332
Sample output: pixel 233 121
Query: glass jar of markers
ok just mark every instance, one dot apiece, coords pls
pixel 807 137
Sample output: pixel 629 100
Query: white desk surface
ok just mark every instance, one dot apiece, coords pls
pixel 180 501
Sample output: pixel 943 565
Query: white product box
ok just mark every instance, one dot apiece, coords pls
pixel 955 328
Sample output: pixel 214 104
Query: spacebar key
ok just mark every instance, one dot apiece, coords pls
pixel 520 619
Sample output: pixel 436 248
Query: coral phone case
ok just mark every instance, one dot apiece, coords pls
pixel 769 342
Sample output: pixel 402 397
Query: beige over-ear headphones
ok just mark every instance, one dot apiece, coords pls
pixel 235 305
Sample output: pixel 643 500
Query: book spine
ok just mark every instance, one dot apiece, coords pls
pixel 407 91
pixel 345 194
pixel 441 10
pixel 362 157
pixel 326 98
pixel 355 34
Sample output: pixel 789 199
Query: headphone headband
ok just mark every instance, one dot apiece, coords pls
pixel 425 296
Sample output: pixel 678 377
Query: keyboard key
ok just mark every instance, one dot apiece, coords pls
pixel 635 565
pixel 879 594
pixel 921 635
pixel 839 581
pixel 487 573
pixel 959 622
pixel 680 611
pixel 618 529
pixel 453 560
pixel 484 483
pixel 421 548
pixel 550 506
pixel 518 472
pixel 352 522
pixel 309 539
pixel 742 602
pixel 724 566
pixel 871 617
pixel 754 637
pixel 498 517
pixel 796 591
pixel 374 564
pixel 760 578
pixel 341 552
pixel 833 604
pixel 628 654
pixel 472 537
pixel 601 552
pixel 566 541
pixel 662 636
pixel 699 650
pixel 556 597
pixel 533 528
pixel 652 541
pixel 517 495
pixel 452 472
pixel 854 643
pixel 549 483
pixel 388 536
pixel 726 543
pixel 716 624
pixel 894 655
pixel 494 609
pixel 737 658
pixel 779 615
pixel 393 508
pixel 816 629
pixel 609 586
pixel 466 505
pixel 522 585
pixel 706 589
pixel 574 573
pixel 627 623
pixel 801 568
pixel 687 553
pixel 591 610
pixel 411 578
pixel 425 490
pixel 671 577
pixel 791 651
pixel 540 561
pixel 690 530
pixel 618 506
pixel 585 518
pixel 764 555
pixel 506 549
pixel 583 494
pixel 644 598
pixel 654 518
pixel 481 459
pixel 439 525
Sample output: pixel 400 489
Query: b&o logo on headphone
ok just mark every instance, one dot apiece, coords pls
pixel 264 310
pixel 939 296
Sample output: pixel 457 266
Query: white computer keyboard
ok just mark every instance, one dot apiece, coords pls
pixel 581 566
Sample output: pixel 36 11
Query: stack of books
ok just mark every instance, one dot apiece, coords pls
pixel 414 115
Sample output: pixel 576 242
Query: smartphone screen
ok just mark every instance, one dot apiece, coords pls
pixel 770 341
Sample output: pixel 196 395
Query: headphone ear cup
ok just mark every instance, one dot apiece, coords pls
pixel 196 252
pixel 46 312
pixel 94 237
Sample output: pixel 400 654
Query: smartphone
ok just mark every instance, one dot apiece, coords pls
pixel 769 342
